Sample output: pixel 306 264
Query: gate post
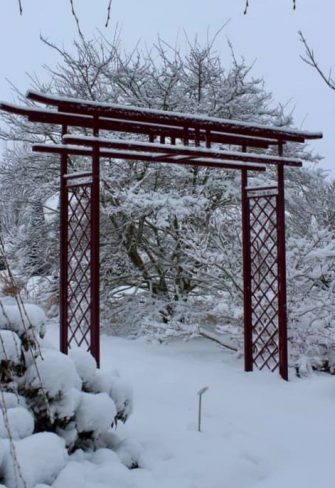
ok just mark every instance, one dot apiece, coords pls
pixel 79 256
pixel 63 252
pixel 282 295
pixel 248 360
pixel 95 249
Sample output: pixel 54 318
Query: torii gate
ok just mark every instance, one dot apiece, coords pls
pixel 175 138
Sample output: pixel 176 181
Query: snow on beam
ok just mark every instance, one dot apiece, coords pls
pixel 74 105
pixel 178 150
pixel 49 116
pixel 146 156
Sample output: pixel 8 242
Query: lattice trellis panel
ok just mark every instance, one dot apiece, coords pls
pixel 264 277
pixel 79 264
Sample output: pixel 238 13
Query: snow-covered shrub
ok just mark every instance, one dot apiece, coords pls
pixel 116 388
pixel 38 459
pixel 311 298
pixel 10 347
pixel 129 451
pixel 51 404
pixel 25 321
pixel 20 423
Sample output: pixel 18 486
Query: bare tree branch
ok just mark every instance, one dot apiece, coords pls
pixel 108 13
pixel 310 59
pixel 217 339
pixel 76 19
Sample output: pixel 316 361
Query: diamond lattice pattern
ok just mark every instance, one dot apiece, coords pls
pixel 264 281
pixel 79 272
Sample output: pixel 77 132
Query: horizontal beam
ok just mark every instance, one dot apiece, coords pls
pixel 179 150
pixel 157 117
pixel 47 116
pixel 135 156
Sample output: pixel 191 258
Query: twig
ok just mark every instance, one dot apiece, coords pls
pixel 310 59
pixel 24 316
pixel 214 338
pixel 76 19
pixel 17 468
pixel 20 7
pixel 108 13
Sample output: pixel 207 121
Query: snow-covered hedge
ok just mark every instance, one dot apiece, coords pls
pixel 51 404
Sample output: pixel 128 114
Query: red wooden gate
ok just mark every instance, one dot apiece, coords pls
pixel 174 138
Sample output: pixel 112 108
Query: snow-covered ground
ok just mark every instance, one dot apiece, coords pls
pixel 257 430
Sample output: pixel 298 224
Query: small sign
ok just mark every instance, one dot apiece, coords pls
pixel 262 193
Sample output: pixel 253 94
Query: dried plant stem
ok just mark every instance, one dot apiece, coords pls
pixel 17 470
pixel 23 316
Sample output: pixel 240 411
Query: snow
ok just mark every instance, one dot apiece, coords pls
pixel 32 317
pixel 84 363
pixel 257 430
pixel 180 147
pixel 56 373
pixel 129 452
pixel 131 110
pixel 95 413
pixel 50 208
pixel 36 285
pixel 20 422
pixel 40 456
pixel 10 346
pixel 124 154
pixel 101 469
pixel 108 381
pixel 10 400
pixel 122 395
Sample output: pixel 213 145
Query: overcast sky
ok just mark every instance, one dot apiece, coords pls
pixel 266 36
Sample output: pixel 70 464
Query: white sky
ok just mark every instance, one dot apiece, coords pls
pixel 267 36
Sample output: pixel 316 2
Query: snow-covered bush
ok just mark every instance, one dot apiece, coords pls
pixel 51 404
pixel 311 297
pixel 38 459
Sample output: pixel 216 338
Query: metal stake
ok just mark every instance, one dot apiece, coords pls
pixel 200 393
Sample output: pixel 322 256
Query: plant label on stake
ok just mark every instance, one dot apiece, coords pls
pixel 200 393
